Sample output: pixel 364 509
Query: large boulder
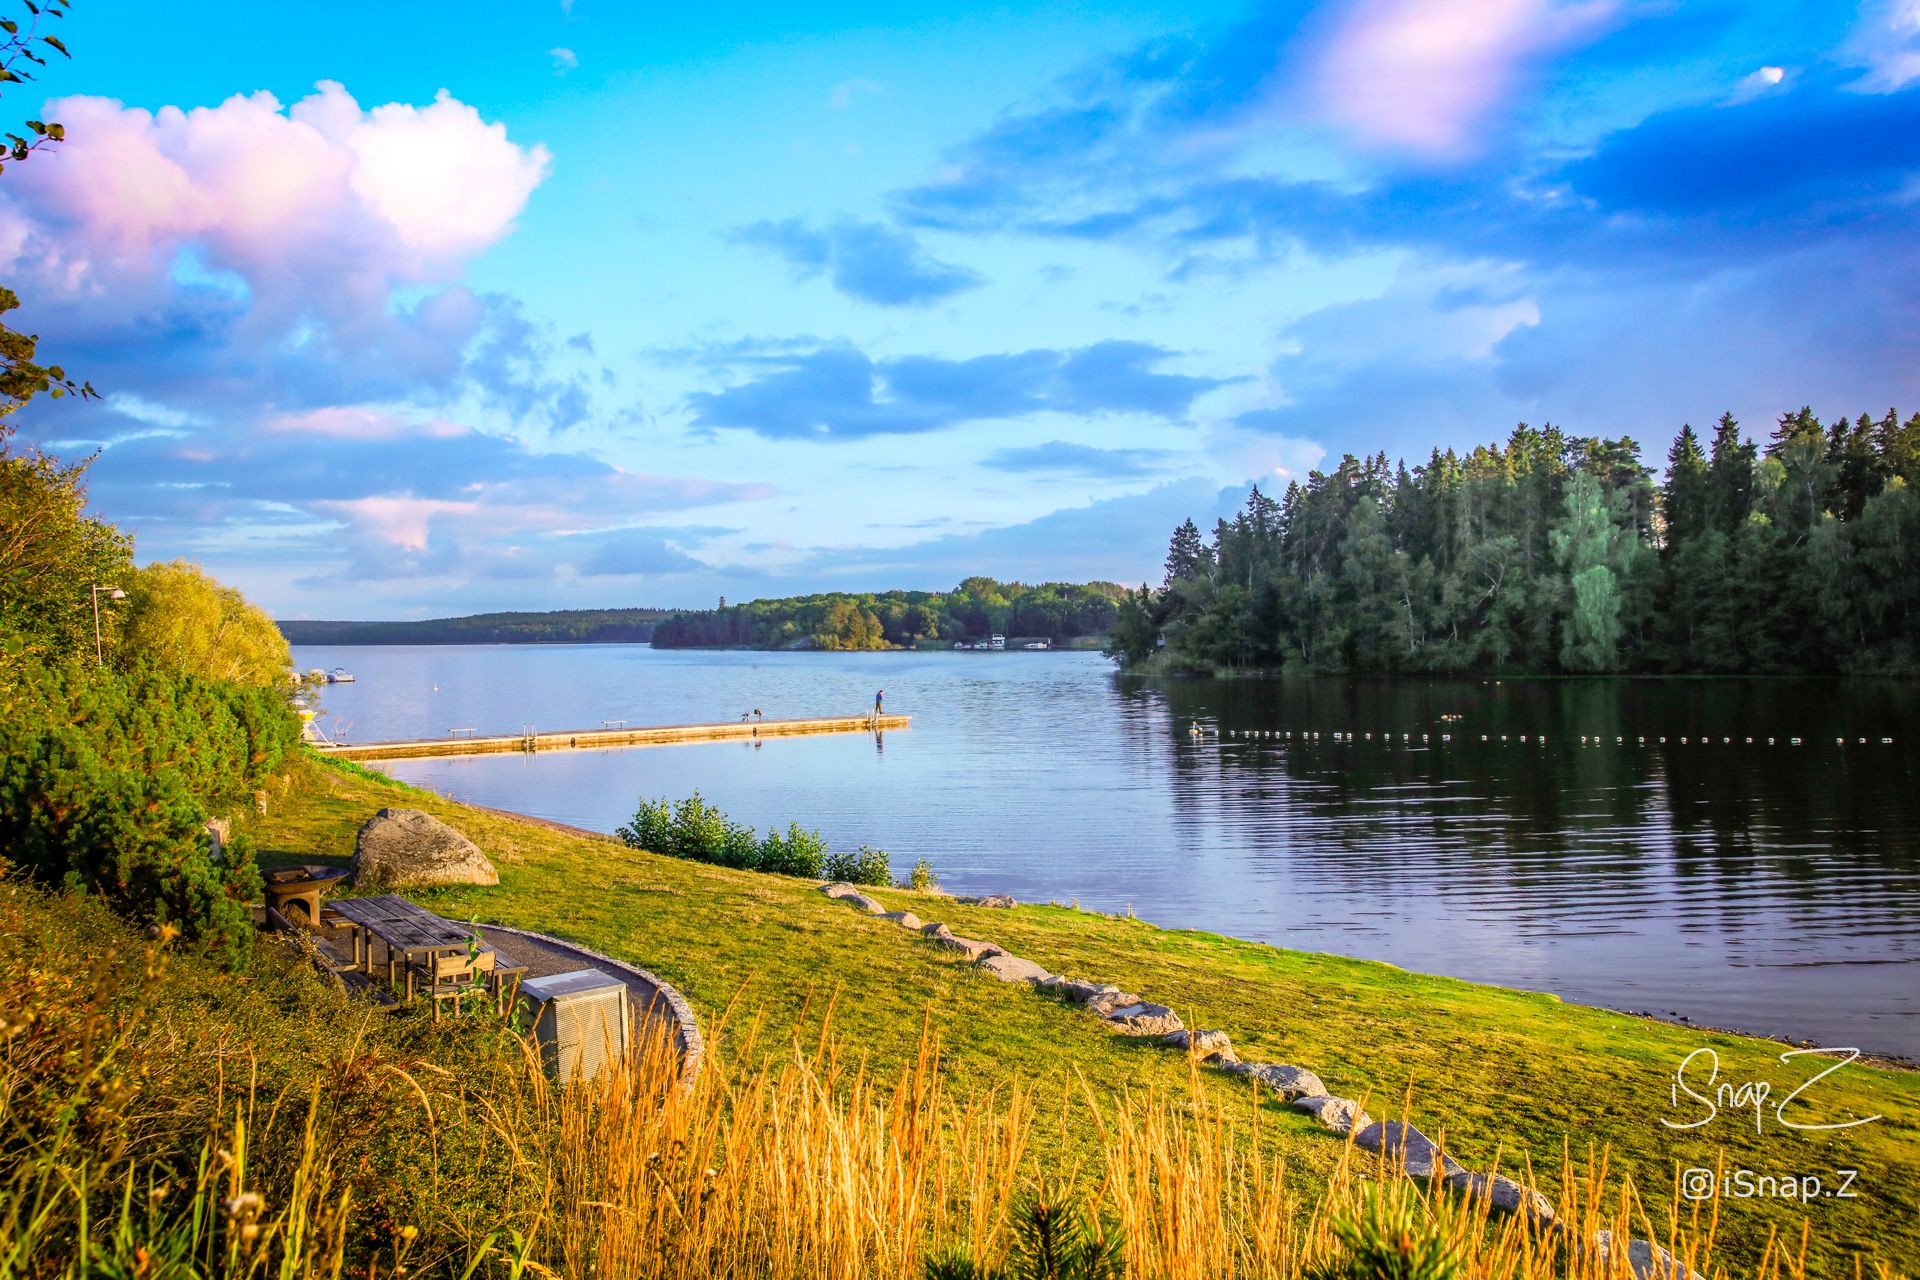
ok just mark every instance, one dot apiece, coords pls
pixel 404 847
pixel 905 919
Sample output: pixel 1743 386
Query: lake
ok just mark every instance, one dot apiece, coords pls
pixel 1763 886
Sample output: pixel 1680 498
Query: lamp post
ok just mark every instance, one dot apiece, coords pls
pixel 113 593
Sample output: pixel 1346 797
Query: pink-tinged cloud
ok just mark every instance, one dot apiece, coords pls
pixel 402 519
pixel 319 210
pixel 1420 74
pixel 359 423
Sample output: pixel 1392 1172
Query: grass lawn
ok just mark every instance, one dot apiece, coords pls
pixel 1497 1071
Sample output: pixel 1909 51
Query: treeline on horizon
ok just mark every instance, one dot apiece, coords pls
pixel 1557 553
pixel 564 626
pixel 975 609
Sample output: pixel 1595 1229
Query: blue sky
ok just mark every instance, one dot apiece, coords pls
pixel 433 308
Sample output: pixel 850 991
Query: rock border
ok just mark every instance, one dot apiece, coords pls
pixel 685 1029
pixel 1295 1086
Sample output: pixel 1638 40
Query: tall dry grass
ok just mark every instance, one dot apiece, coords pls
pixel 790 1164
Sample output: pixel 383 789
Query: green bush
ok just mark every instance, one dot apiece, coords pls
pixel 651 828
pixel 868 866
pixel 699 832
pixel 798 853
pixel 923 877
pixel 105 779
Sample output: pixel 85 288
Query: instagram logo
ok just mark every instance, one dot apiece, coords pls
pixel 1697 1184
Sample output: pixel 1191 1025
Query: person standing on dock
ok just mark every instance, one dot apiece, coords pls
pixel 878 702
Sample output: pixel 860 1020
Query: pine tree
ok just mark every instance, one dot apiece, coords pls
pixel 1730 476
pixel 1187 555
pixel 1685 498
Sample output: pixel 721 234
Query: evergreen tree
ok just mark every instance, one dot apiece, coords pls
pixel 1187 555
pixel 1730 476
pixel 1687 496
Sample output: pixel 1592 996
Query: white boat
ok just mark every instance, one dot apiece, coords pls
pixel 997 643
pixel 340 675
pixel 1039 644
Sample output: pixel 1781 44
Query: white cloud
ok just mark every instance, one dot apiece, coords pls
pixel 1419 74
pixel 1758 82
pixel 320 209
pixel 1886 40
pixel 564 60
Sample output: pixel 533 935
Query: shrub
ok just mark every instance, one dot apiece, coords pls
pixel 868 866
pixel 798 853
pixel 104 781
pixel 651 828
pixel 699 832
pixel 739 848
pixel 923 877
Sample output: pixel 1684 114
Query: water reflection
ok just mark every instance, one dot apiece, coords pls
pixel 1770 887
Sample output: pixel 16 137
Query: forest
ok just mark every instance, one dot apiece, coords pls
pixel 975 609
pixel 564 626
pixel 1555 553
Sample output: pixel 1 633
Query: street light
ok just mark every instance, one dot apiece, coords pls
pixel 113 593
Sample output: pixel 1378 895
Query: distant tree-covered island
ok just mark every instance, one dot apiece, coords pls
pixel 976 609
pixel 1559 554
pixel 566 626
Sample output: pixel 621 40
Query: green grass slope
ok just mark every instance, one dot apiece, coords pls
pixel 1499 1072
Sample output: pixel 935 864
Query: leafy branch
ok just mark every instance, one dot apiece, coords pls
pixel 16 53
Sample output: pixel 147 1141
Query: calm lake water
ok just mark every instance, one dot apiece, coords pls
pixel 1772 888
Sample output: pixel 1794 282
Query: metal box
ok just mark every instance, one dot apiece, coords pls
pixel 581 1022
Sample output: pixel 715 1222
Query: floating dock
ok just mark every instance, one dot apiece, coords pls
pixel 601 739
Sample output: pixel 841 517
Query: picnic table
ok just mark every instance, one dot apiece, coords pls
pixel 414 936
pixel 408 932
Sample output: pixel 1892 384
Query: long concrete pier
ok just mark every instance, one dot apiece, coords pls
pixel 600 739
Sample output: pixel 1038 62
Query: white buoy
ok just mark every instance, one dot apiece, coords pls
pixel 1641 740
pixel 1618 740
pixel 1749 741
pixel 1794 741
pixel 1769 741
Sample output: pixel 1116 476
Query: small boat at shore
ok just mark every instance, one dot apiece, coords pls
pixel 340 675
